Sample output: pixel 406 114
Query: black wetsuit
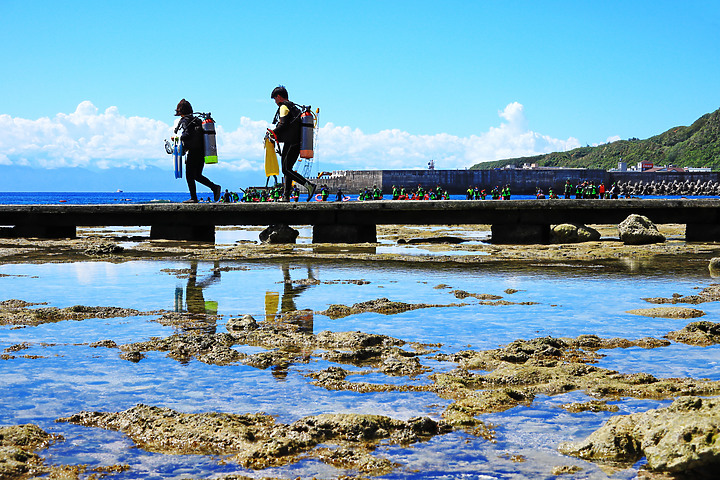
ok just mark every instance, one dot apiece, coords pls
pixel 288 131
pixel 193 141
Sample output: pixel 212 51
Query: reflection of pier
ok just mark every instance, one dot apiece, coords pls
pixel 355 222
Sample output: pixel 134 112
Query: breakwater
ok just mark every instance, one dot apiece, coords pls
pixel 527 181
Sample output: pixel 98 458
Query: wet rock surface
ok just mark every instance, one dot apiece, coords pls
pixel 682 438
pixel 104 249
pixel 714 267
pixel 701 333
pixel 18 444
pixel 487 298
pixel 275 234
pixel 710 293
pixel 257 441
pixel 510 376
pixel 286 344
pixel 16 312
pixel 668 312
pixel 25 250
pixel 549 366
pixel 380 305
pixel 431 240
pixel 592 406
pixel 573 233
pixel 639 230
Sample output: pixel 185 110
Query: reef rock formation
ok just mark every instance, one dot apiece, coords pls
pixel 279 234
pixel 572 233
pixel 639 230
pixel 701 333
pixel 678 439
pixel 17 445
pixel 257 441
pixel 16 312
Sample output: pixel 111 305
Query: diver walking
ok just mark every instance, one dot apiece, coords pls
pixel 288 131
pixel 193 142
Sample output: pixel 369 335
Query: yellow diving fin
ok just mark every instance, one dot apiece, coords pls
pixel 271 161
pixel 272 301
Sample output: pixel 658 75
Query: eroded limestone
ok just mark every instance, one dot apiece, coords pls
pixel 380 305
pixel 681 438
pixel 710 293
pixel 257 441
pixel 702 333
pixel 18 444
pixel 668 312
pixel 16 312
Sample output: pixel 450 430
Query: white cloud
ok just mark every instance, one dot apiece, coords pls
pixel 611 139
pixel 93 139
pixel 390 149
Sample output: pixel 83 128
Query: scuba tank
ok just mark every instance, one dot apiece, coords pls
pixel 208 126
pixel 307 126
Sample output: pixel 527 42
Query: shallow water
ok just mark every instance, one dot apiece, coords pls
pixel 70 376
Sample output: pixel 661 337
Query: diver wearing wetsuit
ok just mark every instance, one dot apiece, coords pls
pixel 288 131
pixel 193 142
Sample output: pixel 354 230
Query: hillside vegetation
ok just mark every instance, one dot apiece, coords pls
pixel 695 146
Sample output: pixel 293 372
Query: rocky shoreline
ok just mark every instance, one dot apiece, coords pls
pixel 677 440
pixel 482 382
pixel 608 248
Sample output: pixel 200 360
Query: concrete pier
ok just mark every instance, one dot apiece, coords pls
pixel 514 221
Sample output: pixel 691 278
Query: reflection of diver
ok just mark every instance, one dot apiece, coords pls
pixel 288 309
pixel 194 299
pixel 289 314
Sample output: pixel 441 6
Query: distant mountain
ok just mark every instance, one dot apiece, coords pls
pixel 695 146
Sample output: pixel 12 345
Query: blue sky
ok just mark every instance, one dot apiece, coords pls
pixel 93 85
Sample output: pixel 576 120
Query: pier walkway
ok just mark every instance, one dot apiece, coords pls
pixel 514 221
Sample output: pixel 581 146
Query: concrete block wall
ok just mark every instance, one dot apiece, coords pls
pixel 521 181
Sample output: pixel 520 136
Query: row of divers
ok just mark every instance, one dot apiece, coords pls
pixel 591 190
pixel 582 190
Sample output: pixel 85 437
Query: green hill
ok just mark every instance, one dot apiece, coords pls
pixel 695 146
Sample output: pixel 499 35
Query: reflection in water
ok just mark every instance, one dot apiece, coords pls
pixel 288 311
pixel 71 376
pixel 282 308
pixel 195 302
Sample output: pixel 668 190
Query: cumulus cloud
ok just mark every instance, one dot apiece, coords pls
pixel 395 149
pixel 93 139
pixel 84 138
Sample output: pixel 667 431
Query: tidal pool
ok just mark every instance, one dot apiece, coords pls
pixel 59 374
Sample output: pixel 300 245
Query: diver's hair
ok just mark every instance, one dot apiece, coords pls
pixel 279 90
pixel 183 108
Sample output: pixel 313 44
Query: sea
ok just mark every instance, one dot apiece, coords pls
pixel 51 371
